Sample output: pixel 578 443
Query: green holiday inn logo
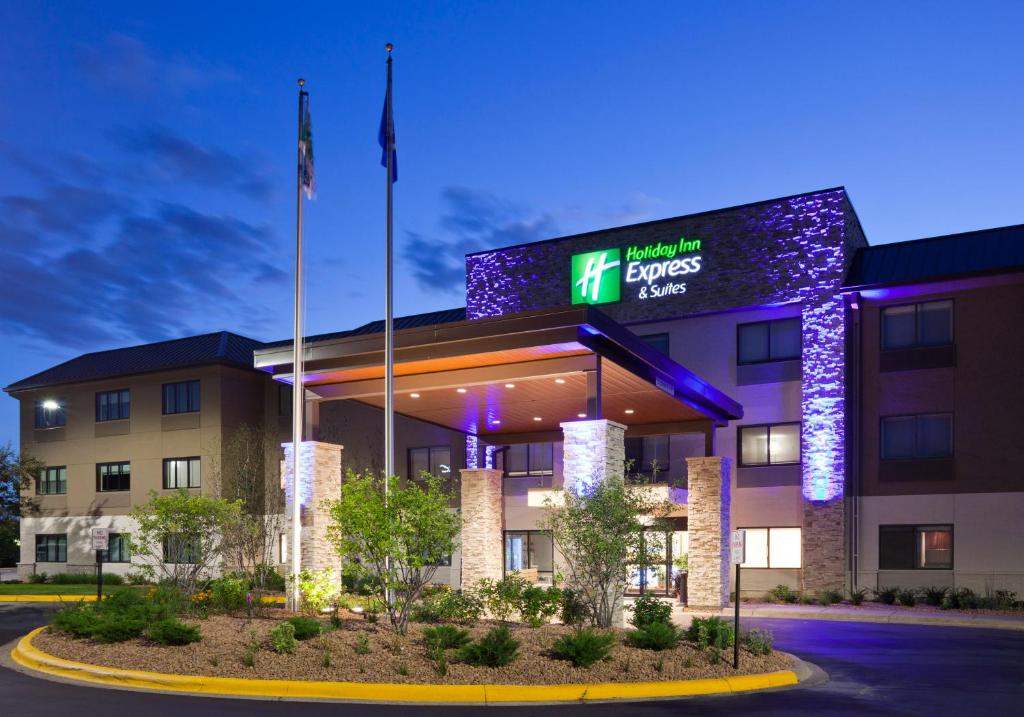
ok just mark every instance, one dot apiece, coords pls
pixel 596 277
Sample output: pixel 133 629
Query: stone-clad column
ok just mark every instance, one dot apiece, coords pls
pixel 708 526
pixel 320 472
pixel 483 524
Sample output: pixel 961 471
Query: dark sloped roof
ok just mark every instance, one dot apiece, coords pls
pixel 375 327
pixel 220 347
pixel 983 251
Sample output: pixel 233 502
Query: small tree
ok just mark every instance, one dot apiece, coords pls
pixel 16 475
pixel 599 533
pixel 180 536
pixel 401 540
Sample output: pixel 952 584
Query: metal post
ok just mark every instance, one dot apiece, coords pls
pixel 389 328
pixel 99 576
pixel 736 625
pixel 298 392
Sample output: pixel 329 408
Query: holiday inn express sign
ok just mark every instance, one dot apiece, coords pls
pixel 646 271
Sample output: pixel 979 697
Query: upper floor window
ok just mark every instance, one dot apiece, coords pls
pixel 112 405
pixel 181 397
pixel 924 436
pixel 118 548
pixel 113 476
pixel 775 444
pixel 51 548
pixel 530 459
pixel 648 454
pixel 435 460
pixel 181 472
pixel 763 341
pixel 658 341
pixel 50 414
pixel 52 481
pixel 915 547
pixel 929 323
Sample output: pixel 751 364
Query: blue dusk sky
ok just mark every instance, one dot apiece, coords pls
pixel 147 151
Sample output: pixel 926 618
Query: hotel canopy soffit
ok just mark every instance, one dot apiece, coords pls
pixel 517 373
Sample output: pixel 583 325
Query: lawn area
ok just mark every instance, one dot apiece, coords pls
pixel 47 589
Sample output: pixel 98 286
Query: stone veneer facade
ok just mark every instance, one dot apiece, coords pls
pixel 483 525
pixel 320 470
pixel 708 585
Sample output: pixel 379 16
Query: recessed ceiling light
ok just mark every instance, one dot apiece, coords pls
pixel 461 390
pixel 559 380
pixel 629 411
pixel 510 385
pixel 536 418
pixel 414 395
pixel 496 421
pixel 581 415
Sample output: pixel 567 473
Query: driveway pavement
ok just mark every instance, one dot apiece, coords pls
pixel 875 669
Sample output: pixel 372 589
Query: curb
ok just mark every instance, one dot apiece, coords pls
pixel 271 600
pixel 893 619
pixel 32 658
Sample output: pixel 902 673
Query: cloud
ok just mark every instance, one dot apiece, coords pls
pixel 472 221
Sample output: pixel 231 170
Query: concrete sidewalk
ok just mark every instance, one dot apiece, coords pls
pixel 863 613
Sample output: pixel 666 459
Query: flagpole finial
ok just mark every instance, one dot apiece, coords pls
pixel 302 82
pixel 389 47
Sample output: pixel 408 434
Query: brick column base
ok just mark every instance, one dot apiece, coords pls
pixel 320 472
pixel 483 524
pixel 708 526
pixel 824 538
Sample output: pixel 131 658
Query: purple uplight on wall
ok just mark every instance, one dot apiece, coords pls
pixel 472 451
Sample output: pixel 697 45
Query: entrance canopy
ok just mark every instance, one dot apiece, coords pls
pixel 519 373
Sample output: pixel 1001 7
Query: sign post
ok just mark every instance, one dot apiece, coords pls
pixel 100 543
pixel 738 550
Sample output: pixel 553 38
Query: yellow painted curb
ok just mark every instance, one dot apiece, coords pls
pixel 47 598
pixel 31 657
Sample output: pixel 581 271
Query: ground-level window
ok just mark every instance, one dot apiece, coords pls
pixel 52 481
pixel 529 459
pixel 525 549
pixel 915 547
pixel 118 549
pixel 775 444
pixel 929 323
pixel 764 341
pixel 181 472
pixel 772 548
pixel 113 476
pixel 51 548
pixel 648 455
pixel 180 549
pixel 113 405
pixel 435 460
pixel 923 436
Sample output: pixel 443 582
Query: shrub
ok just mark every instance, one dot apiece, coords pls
pixel 282 638
pixel 574 610
pixel 887 595
pixel 37 578
pixel 857 596
pixel 782 593
pixel 172 632
pixel 710 631
pixel 135 577
pixel 933 595
pixel 759 642
pixel 447 605
pixel 495 649
pixel 648 609
pixel 503 598
pixel 78 621
pixel 830 597
pixel 807 599
pixel 317 590
pixel 228 592
pixel 362 646
pixel 1006 600
pixel 85 579
pixel 444 637
pixel 960 599
pixel 305 627
pixel 118 627
pixel 358 580
pixel 908 597
pixel 538 605
pixel 583 648
pixel 268 577
pixel 655 636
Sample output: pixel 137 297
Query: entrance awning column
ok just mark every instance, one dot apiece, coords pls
pixel 320 470
pixel 483 525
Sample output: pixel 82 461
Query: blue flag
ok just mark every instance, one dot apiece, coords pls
pixel 386 137
pixel 307 177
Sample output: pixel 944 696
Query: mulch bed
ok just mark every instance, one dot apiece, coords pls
pixel 225 639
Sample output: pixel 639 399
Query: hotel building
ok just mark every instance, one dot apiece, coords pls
pixel 760 367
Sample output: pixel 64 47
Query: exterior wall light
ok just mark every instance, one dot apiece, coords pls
pixel 51 405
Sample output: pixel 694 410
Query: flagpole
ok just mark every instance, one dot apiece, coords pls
pixel 389 328
pixel 298 392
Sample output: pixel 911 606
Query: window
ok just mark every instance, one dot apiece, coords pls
pixel 529 549
pixel 764 341
pixel 51 548
pixel 529 459
pixel 926 324
pixel 113 405
pixel 435 460
pixel 645 453
pixel 181 472
pixel 113 476
pixel 182 397
pixel 658 341
pixel 118 548
pixel 775 444
pixel 923 436
pixel 772 548
pixel 179 549
pixel 50 414
pixel 52 481
pixel 282 548
pixel 915 547
pixel 284 399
